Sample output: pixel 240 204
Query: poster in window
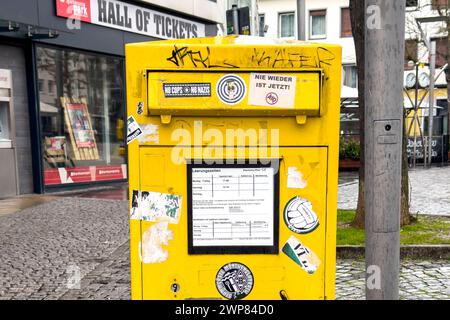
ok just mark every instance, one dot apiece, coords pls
pixel 80 124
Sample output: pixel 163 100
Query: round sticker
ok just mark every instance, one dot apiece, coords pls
pixel 299 216
pixel 234 281
pixel 271 98
pixel 231 89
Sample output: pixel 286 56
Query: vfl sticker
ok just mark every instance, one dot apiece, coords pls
pixel 234 281
pixel 301 255
pixel 133 129
pixel 184 90
pixel 299 216
pixel 140 108
pixel 231 89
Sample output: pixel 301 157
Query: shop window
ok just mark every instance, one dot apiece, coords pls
pixel 41 85
pixel 51 86
pixel 262 24
pixel 81 113
pixel 317 24
pixel 287 24
pixel 346 25
pixel 350 75
pixel 411 3
pixel 410 52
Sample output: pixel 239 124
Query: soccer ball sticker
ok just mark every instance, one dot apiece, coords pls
pixel 234 281
pixel 299 216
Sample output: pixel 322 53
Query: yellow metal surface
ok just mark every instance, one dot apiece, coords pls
pixel 304 137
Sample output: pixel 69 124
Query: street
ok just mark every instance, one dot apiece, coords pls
pixel 44 246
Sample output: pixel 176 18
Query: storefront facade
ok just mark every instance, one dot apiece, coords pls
pixel 65 62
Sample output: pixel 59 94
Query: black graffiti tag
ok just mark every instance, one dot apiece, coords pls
pixel 187 57
pixel 285 59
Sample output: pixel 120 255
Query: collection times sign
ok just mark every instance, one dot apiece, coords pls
pixel 124 16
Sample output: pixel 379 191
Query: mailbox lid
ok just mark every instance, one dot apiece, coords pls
pixel 243 93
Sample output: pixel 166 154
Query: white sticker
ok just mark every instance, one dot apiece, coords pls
pixel 152 241
pixel 272 90
pixel 133 129
pixel 232 206
pixel 155 206
pixel 301 255
pixel 295 179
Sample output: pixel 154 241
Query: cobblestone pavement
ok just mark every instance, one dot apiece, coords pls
pixel 424 280
pixel 43 248
pixel 429 191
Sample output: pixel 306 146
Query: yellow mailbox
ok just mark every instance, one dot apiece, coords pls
pixel 233 168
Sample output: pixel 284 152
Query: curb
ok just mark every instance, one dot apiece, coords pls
pixel 406 252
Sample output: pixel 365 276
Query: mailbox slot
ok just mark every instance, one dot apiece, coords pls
pixel 264 93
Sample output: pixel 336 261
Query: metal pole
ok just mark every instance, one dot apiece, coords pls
pixel 254 24
pixel 384 49
pixel 301 20
pixel 431 101
pixel 416 98
pixel 235 15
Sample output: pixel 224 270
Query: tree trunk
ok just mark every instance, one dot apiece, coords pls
pixel 447 71
pixel 358 31
pixel 405 217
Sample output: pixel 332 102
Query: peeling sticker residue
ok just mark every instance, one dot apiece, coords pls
pixel 153 239
pixel 150 133
pixel 301 255
pixel 295 179
pixel 135 213
pixel 155 206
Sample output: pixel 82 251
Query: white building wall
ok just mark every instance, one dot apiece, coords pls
pixel 272 8
pixel 204 9
pixel 433 29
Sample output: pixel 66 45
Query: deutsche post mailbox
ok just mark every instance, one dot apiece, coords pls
pixel 233 163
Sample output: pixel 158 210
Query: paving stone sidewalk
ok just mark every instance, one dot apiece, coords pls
pixel 44 248
pixel 419 280
pixel 429 191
